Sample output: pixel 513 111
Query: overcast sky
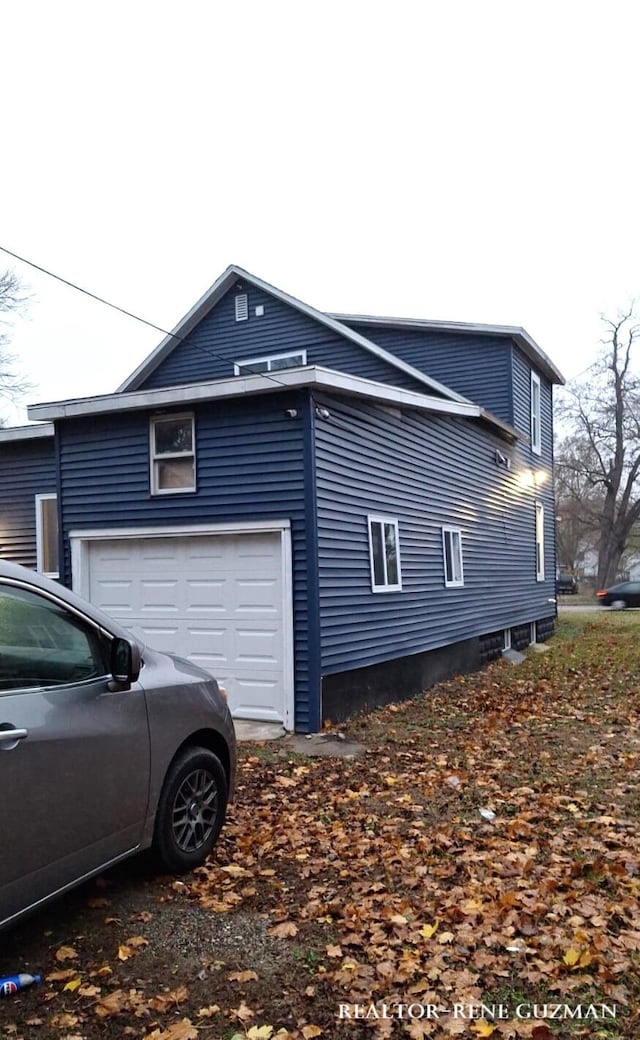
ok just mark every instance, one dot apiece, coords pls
pixel 452 160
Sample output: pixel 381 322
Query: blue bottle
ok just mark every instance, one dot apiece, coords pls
pixel 12 983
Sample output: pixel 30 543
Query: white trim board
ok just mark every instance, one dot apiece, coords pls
pixel 26 433
pixel 80 541
pixel 312 376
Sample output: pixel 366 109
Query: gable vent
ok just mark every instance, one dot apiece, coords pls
pixel 242 307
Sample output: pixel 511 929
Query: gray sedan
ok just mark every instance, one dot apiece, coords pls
pixel 106 747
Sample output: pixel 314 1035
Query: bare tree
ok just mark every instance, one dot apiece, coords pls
pixel 601 451
pixel 13 300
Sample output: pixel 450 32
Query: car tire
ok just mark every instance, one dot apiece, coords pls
pixel 191 810
pixel 619 604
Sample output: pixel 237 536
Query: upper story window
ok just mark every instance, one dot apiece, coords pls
pixel 47 535
pixel 173 455
pixel 384 554
pixel 536 438
pixel 270 363
pixel 452 552
pixel 539 541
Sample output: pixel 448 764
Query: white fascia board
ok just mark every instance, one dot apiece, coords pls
pixel 26 433
pixel 258 383
pixel 526 342
pixel 208 300
pixel 223 284
pixel 328 379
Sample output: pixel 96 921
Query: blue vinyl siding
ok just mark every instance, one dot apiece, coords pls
pixel 476 366
pixel 540 465
pixel 28 469
pixel 210 349
pixel 522 406
pixel 426 472
pixel 249 459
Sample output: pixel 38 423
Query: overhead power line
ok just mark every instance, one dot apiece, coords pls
pixel 130 314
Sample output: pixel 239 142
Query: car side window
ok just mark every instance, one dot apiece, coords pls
pixel 43 644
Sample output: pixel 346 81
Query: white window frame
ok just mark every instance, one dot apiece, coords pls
pixel 453 582
pixel 386 586
pixel 269 358
pixel 536 414
pixel 539 508
pixel 506 640
pixel 166 456
pixel 40 536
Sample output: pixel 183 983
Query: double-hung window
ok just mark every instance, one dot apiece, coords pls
pixel 452 552
pixel 47 535
pixel 173 456
pixel 272 363
pixel 384 554
pixel 539 541
pixel 536 439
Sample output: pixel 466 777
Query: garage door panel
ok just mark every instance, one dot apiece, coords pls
pixel 215 599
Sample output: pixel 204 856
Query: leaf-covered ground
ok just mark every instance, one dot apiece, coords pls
pixel 475 872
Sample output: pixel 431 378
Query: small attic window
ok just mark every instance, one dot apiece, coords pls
pixel 242 307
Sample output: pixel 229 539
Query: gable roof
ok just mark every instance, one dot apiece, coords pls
pixel 220 287
pixel 526 342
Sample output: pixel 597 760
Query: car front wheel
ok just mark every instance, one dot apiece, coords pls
pixel 191 810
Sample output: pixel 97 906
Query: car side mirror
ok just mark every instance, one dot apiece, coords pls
pixel 125 660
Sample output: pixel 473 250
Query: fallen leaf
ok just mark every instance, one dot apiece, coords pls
pixel 111 1004
pixel 209 1012
pixel 244 1013
pixel 482 1028
pixel 309 1032
pixel 285 930
pixel 72 985
pixel 66 953
pixel 428 930
pixel 60 976
pixel 64 1021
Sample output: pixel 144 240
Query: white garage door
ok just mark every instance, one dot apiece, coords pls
pixel 217 599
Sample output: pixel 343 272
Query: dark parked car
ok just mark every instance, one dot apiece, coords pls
pixel 106 747
pixel 566 584
pixel 625 594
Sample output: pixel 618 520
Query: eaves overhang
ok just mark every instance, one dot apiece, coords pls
pixel 26 433
pixel 520 336
pixel 237 387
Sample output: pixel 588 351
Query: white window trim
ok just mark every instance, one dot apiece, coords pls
pixel 506 640
pixel 376 519
pixel 536 414
pixel 455 583
pixel 40 536
pixel 153 458
pixel 539 508
pixel 237 365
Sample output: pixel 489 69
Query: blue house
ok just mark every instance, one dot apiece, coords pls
pixel 326 511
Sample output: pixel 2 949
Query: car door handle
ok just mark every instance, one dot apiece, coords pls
pixel 12 735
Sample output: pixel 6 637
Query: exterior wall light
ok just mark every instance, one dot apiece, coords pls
pixel 323 413
pixel 501 459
